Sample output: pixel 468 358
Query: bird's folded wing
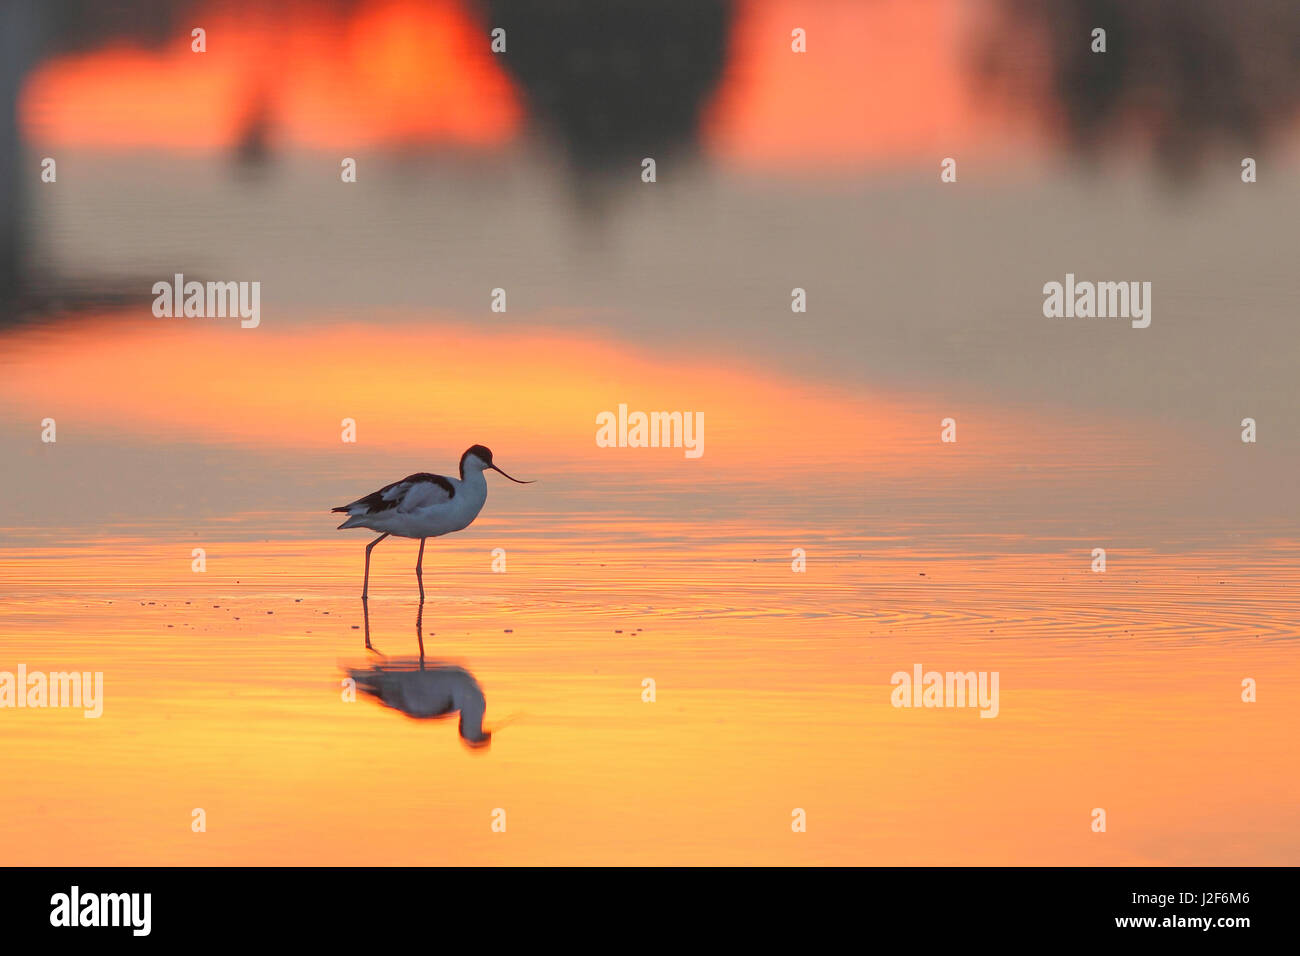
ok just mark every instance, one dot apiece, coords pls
pixel 415 491
pixel 424 492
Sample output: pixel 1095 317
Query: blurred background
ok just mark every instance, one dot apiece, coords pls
pixel 521 170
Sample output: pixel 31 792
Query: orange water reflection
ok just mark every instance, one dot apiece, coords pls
pixel 422 385
pixel 223 688
pixel 771 696
pixel 883 81
pixel 401 72
pixel 395 71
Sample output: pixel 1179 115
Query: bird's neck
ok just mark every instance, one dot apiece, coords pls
pixel 474 481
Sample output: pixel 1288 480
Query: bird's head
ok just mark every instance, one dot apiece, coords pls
pixel 478 458
pixel 469 696
pixel 475 738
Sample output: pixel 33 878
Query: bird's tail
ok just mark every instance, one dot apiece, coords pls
pixel 352 519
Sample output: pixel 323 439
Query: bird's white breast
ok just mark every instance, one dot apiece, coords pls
pixel 419 519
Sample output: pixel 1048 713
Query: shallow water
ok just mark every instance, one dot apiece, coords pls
pixel 223 688
pixel 223 692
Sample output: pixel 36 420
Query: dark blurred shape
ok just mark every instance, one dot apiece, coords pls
pixel 615 81
pixel 19 40
pixel 428 690
pixel 1188 74
pixel 30 30
pixel 253 149
pixel 90 24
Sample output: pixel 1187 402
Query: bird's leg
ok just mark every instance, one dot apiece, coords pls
pixel 419 633
pixel 365 614
pixel 419 574
pixel 365 586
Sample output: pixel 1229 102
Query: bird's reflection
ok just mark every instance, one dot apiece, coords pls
pixel 425 689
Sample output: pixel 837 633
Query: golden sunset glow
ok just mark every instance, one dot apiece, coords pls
pixel 297 385
pixel 396 71
pixel 559 644
pixel 781 111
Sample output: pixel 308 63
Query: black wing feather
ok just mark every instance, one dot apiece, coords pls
pixel 376 502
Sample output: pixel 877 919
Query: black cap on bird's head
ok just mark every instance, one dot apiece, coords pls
pixel 482 452
pixel 484 455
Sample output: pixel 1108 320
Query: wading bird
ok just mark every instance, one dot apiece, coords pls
pixel 424 506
